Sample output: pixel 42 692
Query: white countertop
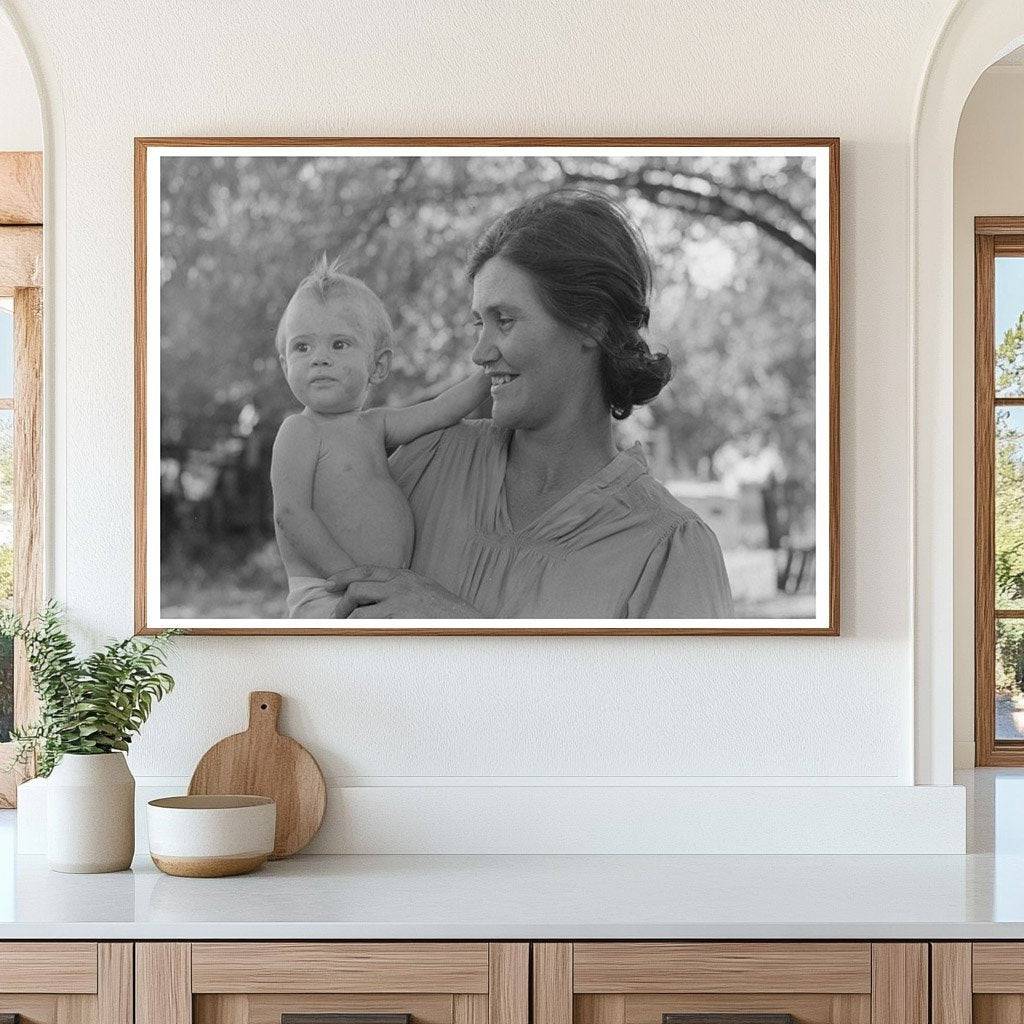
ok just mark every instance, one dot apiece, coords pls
pixel 532 897
pixel 977 896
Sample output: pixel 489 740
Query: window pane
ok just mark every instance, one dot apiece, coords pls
pixel 6 348
pixel 1009 679
pixel 1009 482
pixel 6 567
pixel 1009 324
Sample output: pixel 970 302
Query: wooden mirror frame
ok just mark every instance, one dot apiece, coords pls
pixel 21 277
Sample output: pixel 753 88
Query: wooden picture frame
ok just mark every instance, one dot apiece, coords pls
pixel 822 155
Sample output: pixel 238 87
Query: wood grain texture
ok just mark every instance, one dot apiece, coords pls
pixel 807 1008
pixel 998 1009
pixel 951 983
pixel 208 867
pixel 163 983
pixel 262 762
pixel 224 1009
pixel 634 967
pixel 899 990
pixel 339 967
pixel 552 983
pixel 269 1009
pixel 48 967
pixel 21 257
pixel 999 225
pixel 115 983
pixel 997 967
pixel 599 1009
pixel 851 1009
pixel 76 1009
pixel 468 1009
pixel 143 144
pixel 21 188
pixel 508 993
pixel 1010 245
pixel 984 502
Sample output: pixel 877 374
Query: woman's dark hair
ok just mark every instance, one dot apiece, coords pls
pixel 593 273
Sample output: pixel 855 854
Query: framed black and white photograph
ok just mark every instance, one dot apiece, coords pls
pixel 515 386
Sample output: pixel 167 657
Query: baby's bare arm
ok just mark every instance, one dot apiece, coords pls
pixel 292 469
pixel 404 425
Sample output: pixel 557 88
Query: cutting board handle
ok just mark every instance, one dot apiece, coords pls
pixel 264 709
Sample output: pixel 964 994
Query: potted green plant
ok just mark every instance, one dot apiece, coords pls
pixel 89 709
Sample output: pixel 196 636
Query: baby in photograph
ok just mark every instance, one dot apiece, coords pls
pixel 335 503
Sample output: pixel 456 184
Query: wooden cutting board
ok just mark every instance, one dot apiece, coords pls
pixel 262 762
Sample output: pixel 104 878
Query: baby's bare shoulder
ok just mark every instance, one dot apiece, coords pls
pixel 296 432
pixel 298 424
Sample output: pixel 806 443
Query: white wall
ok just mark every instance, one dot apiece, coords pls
pixel 440 712
pixel 988 181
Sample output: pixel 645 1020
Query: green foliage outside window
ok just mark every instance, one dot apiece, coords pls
pixel 1009 482
pixel 1009 510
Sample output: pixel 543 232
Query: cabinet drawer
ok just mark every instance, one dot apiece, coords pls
pixel 998 967
pixel 48 967
pixel 752 982
pixel 261 982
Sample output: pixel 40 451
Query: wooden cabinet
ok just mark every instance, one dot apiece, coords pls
pixel 260 982
pixel 66 982
pixel 648 982
pixel 494 983
pixel 980 982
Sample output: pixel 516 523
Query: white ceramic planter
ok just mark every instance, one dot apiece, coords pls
pixel 90 814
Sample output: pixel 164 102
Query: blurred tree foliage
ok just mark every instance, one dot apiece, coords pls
pixel 1009 510
pixel 733 243
pixel 1009 466
pixel 1009 657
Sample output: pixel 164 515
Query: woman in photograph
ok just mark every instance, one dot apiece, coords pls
pixel 535 514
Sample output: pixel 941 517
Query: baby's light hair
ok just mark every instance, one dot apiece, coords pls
pixel 328 280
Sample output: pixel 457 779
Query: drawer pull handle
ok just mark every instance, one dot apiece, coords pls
pixel 728 1018
pixel 341 1018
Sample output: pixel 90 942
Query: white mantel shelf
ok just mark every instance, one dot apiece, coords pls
pixel 531 897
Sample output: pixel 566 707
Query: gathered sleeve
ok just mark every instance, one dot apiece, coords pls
pixel 684 577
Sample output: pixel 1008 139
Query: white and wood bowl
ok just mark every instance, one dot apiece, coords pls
pixel 211 836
